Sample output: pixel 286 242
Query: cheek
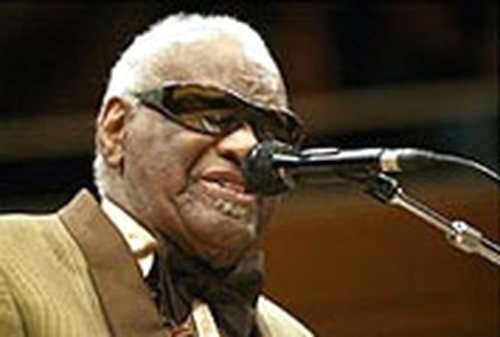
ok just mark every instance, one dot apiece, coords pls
pixel 162 158
pixel 158 156
pixel 153 173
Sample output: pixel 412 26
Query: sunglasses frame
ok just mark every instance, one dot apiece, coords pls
pixel 154 99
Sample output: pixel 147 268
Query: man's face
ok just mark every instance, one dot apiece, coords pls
pixel 188 185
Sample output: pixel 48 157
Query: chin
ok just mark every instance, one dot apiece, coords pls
pixel 226 251
pixel 219 238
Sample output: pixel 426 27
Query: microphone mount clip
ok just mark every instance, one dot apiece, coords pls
pixel 459 234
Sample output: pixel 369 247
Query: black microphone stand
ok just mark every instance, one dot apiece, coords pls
pixel 459 233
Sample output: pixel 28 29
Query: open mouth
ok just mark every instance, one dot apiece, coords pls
pixel 228 193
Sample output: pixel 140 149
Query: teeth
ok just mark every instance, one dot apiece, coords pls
pixel 230 209
pixel 227 207
pixel 219 204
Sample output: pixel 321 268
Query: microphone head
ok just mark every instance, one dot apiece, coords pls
pixel 260 173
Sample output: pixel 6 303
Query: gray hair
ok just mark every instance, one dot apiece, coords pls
pixel 137 68
pixel 132 74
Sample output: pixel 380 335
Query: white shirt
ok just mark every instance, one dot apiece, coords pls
pixel 139 240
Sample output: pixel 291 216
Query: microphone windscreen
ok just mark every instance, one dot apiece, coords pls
pixel 261 176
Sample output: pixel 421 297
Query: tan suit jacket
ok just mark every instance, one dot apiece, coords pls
pixel 72 274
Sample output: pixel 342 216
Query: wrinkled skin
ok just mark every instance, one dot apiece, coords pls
pixel 183 184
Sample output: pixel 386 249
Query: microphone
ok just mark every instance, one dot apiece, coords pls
pixel 272 167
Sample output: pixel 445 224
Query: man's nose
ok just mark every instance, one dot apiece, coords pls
pixel 236 145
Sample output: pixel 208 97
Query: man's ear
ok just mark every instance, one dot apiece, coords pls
pixel 110 131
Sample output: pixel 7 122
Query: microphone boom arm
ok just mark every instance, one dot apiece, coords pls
pixel 458 233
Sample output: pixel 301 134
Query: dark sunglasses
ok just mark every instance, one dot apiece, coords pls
pixel 217 112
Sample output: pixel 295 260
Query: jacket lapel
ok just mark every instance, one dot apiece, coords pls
pixel 124 296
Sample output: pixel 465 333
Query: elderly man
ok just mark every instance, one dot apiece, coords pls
pixel 170 249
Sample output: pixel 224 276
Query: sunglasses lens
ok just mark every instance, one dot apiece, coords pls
pixel 210 121
pixel 290 130
pixel 216 112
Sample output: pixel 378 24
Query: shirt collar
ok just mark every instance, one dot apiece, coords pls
pixel 140 241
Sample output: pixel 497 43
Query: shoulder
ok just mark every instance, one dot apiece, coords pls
pixel 16 226
pixel 275 321
pixel 20 227
pixel 27 235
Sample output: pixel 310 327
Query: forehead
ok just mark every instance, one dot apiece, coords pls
pixel 225 61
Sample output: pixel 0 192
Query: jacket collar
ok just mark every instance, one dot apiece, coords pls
pixel 117 279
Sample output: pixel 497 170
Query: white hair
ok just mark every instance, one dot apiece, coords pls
pixel 137 68
pixel 99 169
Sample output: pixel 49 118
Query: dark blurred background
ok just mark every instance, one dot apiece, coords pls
pixel 362 74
